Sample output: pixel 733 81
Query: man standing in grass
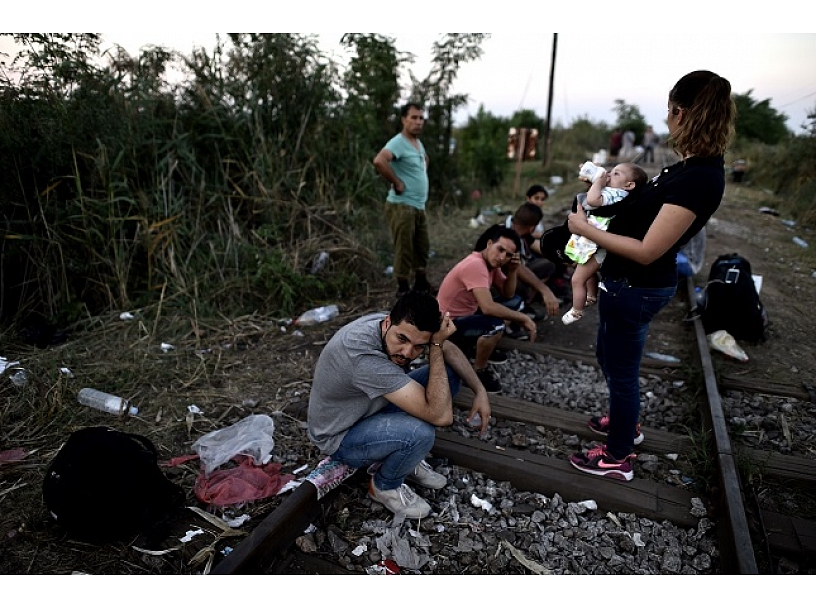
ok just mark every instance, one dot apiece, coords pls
pixel 403 162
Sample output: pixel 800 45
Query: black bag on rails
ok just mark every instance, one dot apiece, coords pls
pixel 730 301
pixel 105 485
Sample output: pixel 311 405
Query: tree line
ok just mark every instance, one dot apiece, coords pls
pixel 124 184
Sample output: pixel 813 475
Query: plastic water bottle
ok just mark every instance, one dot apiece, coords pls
pixel 661 357
pixel 103 401
pixel 589 170
pixel 317 315
pixel 800 242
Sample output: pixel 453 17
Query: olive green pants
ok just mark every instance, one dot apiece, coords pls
pixel 409 232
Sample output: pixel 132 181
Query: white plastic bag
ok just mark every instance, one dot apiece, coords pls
pixel 252 436
pixel 723 342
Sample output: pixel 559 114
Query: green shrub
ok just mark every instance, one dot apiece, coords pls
pixel 787 169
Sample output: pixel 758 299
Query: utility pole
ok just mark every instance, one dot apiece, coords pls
pixel 522 146
pixel 546 152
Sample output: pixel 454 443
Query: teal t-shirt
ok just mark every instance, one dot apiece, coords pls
pixel 409 166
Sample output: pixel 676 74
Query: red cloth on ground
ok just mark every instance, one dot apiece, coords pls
pixel 12 455
pixel 246 482
pixel 176 461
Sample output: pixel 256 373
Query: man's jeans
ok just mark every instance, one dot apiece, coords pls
pixel 470 328
pixel 394 438
pixel 625 313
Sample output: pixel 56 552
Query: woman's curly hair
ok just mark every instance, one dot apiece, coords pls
pixel 709 114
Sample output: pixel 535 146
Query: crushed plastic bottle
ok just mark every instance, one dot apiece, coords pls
pixel 317 315
pixel 320 262
pixel 18 376
pixel 800 242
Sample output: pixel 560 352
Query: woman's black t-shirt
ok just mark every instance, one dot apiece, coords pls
pixel 697 184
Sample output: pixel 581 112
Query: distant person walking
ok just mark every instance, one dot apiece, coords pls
pixel 403 162
pixel 650 141
pixel 628 146
pixel 615 143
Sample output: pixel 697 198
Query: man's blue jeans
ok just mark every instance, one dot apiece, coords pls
pixel 470 328
pixel 625 313
pixel 394 438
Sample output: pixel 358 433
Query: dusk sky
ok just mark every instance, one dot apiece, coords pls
pixel 514 70
pixel 636 59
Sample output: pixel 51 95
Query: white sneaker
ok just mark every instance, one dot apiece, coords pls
pixel 573 315
pixel 400 501
pixel 427 477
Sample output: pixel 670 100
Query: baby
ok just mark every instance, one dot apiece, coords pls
pixel 607 188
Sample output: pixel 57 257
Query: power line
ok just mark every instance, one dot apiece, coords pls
pixel 798 99
pixel 526 88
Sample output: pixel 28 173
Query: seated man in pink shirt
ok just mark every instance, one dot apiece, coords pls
pixel 465 295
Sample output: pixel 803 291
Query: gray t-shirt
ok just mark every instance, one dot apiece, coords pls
pixel 351 378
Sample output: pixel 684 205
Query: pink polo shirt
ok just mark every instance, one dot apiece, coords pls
pixel 456 292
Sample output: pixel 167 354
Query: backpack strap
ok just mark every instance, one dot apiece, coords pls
pixel 145 442
pixel 612 209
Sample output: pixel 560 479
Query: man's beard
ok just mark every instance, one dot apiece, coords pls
pixel 391 357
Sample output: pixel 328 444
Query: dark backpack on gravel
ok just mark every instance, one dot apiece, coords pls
pixel 105 485
pixel 730 301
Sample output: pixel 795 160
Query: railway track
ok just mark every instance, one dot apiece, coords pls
pixel 743 527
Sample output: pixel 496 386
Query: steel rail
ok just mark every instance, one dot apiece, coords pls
pixel 279 530
pixel 736 546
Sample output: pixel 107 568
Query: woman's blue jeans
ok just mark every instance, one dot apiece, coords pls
pixel 625 313
pixel 394 438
